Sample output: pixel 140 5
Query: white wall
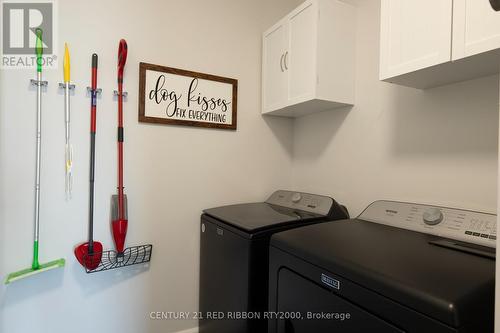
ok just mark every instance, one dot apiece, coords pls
pixel 436 146
pixel 171 173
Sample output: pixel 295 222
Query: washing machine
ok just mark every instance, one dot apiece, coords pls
pixel 398 267
pixel 234 256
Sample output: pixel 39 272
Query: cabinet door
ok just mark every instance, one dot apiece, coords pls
pixel 300 60
pixel 274 75
pixel 476 28
pixel 414 35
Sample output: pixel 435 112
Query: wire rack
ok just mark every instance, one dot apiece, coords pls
pixel 111 259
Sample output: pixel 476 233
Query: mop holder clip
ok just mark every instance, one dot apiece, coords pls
pixel 63 85
pixel 39 83
pixel 97 90
pixel 116 94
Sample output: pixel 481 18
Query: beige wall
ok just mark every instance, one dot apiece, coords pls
pixel 171 173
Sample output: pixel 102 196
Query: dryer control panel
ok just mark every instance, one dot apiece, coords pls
pixel 462 225
pixel 313 203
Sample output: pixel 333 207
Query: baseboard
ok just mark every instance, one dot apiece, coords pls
pixel 190 330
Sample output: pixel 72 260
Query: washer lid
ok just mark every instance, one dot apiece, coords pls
pixel 400 264
pixel 253 217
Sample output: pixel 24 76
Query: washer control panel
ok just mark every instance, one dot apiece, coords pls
pixel 462 225
pixel 312 203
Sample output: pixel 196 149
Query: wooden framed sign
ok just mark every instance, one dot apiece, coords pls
pixel 179 97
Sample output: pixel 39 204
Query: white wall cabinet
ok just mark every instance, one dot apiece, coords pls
pixel 308 60
pixel 476 28
pixel 428 43
pixel 414 35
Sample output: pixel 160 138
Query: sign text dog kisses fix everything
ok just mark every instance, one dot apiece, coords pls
pixel 180 97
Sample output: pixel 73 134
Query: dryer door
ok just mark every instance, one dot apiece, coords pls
pixel 321 310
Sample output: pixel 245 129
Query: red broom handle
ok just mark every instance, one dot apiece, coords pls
pixel 122 59
pixel 94 94
pixel 121 206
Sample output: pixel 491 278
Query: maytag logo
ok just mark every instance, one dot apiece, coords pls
pixel 390 211
pixel 330 282
pixel 19 23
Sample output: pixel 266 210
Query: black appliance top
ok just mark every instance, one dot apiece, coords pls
pixel 253 217
pixel 282 207
pixel 445 284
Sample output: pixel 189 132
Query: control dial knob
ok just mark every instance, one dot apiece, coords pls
pixel 296 197
pixel 433 216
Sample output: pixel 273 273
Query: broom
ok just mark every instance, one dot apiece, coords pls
pixel 136 254
pixel 36 267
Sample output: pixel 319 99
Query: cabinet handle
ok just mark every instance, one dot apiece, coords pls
pixel 281 63
pixel 284 60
